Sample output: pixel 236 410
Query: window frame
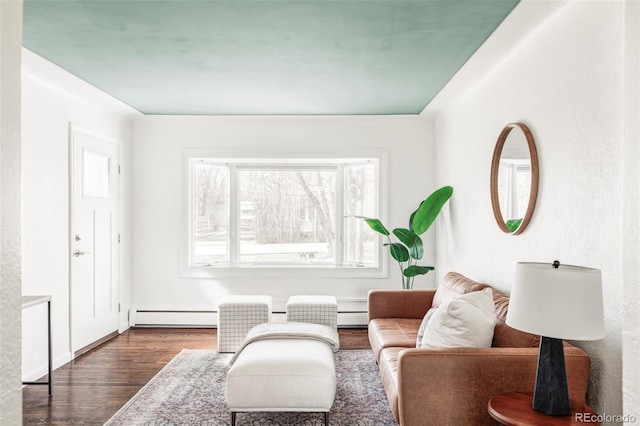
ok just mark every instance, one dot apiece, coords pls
pixel 262 158
pixel 512 170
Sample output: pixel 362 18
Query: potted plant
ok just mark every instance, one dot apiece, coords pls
pixel 409 250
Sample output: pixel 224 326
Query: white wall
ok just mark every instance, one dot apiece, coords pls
pixel 563 78
pixel 52 98
pixel 631 247
pixel 10 44
pixel 158 206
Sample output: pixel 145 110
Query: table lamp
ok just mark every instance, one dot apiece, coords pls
pixel 556 302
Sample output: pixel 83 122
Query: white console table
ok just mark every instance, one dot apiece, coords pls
pixel 27 302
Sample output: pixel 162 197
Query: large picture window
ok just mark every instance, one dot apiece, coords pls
pixel 293 212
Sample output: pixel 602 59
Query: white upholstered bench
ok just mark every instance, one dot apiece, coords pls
pixel 289 374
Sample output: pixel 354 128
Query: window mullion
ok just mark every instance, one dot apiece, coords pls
pixel 379 211
pixel 191 214
pixel 234 216
pixel 340 213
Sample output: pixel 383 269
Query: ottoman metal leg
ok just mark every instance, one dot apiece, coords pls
pixel 326 418
pixel 233 418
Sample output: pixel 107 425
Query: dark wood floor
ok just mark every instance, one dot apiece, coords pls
pixel 91 388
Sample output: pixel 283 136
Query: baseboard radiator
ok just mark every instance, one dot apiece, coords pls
pixel 354 315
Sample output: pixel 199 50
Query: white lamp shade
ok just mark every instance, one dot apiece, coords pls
pixel 562 303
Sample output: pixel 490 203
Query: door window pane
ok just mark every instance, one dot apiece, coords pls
pixel 95 174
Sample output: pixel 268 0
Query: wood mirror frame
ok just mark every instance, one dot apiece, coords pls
pixel 495 165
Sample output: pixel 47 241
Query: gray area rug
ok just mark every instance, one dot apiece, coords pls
pixel 189 390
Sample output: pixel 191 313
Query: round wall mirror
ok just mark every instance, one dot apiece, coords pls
pixel 514 178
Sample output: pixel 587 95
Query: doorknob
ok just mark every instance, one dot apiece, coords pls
pixel 80 253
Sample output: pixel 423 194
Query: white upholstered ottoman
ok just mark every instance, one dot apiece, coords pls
pixel 282 374
pixel 317 309
pixel 237 315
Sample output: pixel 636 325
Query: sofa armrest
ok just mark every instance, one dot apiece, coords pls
pixel 453 386
pixel 399 303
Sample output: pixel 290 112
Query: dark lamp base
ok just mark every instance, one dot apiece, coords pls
pixel 551 395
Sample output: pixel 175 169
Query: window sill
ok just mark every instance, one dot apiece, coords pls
pixel 284 271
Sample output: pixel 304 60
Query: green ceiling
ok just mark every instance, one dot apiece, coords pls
pixel 263 56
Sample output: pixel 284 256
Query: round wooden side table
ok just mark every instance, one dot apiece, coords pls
pixel 514 409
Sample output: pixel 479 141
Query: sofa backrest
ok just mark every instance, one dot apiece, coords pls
pixel 454 284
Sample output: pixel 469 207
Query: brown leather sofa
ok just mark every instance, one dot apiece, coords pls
pixel 427 386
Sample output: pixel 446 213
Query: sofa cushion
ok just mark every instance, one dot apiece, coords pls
pixel 392 332
pixel 389 374
pixel 464 321
pixel 452 285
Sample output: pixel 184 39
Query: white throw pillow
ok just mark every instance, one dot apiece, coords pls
pixel 423 326
pixel 465 321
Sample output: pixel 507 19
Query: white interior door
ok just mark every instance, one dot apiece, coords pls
pixel 94 238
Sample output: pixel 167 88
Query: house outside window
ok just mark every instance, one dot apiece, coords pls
pixel 287 213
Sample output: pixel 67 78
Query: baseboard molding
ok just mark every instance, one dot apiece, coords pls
pixel 353 315
pixel 95 344
pixel 169 318
pixel 41 370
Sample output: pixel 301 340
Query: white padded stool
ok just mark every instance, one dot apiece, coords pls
pixel 237 315
pixel 282 375
pixel 315 309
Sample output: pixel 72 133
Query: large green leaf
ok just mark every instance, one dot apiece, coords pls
pixel 417 251
pixel 399 252
pixel 429 209
pixel 411 218
pixel 376 225
pixel 414 270
pixel 406 236
pixel 411 240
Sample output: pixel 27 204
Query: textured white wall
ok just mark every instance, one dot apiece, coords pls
pixel 631 247
pixel 158 186
pixel 10 45
pixel 564 79
pixel 52 98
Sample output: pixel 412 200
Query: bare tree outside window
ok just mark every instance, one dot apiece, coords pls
pixel 360 199
pixel 211 197
pixel 288 217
